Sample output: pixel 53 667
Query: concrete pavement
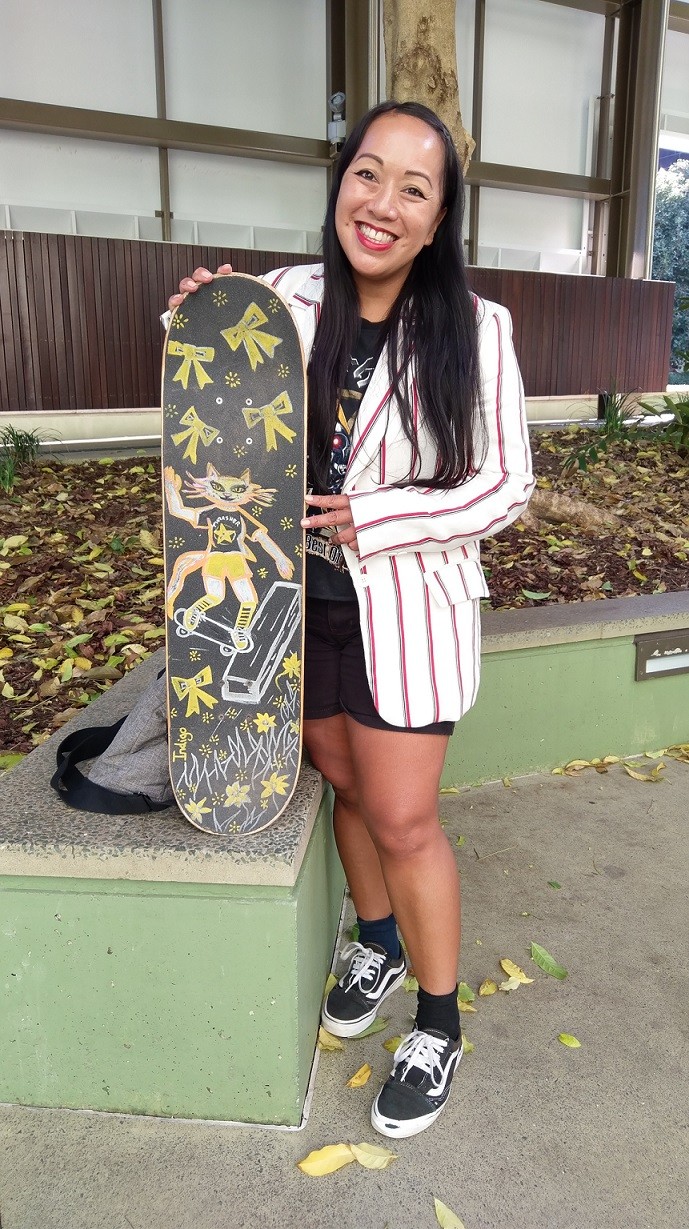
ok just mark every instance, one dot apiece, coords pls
pixel 535 1136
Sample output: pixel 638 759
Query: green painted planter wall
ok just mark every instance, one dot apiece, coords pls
pixel 540 707
pixel 198 1001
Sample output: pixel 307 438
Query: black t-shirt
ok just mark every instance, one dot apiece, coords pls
pixel 327 575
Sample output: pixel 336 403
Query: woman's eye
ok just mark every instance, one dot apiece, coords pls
pixel 365 174
pixel 416 192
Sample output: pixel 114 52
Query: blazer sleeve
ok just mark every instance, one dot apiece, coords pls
pixel 391 520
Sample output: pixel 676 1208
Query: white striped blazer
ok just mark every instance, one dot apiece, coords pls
pixel 418 575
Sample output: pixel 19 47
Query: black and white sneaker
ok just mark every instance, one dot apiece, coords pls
pixel 371 977
pixel 418 1088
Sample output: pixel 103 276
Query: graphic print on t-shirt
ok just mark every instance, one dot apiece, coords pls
pixel 333 580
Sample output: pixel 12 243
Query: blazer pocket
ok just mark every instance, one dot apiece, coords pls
pixel 456 582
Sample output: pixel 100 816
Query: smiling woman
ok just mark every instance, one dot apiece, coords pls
pixel 417 448
pixel 389 207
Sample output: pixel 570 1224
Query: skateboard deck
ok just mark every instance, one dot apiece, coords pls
pixel 233 449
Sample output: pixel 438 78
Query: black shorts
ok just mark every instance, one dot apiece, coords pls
pixel 335 669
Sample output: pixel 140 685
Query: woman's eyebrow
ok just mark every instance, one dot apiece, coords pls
pixel 420 174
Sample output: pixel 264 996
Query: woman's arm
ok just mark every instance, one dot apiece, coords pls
pixel 392 520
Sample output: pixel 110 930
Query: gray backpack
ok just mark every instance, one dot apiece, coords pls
pixel 130 773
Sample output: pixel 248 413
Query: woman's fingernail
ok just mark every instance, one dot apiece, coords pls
pixel 305 523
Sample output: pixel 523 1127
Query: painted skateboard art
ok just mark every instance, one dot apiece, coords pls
pixel 234 398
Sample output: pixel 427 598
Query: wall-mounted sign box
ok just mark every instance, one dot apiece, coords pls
pixel 662 653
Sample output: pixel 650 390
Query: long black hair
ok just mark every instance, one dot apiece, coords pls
pixel 433 317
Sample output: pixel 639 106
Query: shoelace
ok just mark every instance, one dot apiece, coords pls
pixel 366 965
pixel 421 1051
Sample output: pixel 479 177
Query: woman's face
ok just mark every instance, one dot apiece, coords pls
pixel 390 203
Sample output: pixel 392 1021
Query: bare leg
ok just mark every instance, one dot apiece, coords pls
pixel 397 777
pixel 327 742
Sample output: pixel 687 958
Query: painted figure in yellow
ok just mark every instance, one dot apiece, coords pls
pixel 227 554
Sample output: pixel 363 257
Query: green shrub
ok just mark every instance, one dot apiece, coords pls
pixel 677 430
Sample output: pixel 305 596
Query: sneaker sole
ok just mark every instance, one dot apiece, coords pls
pixel 347 1028
pixel 404 1129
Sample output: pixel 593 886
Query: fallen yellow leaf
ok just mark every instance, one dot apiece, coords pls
pixel 326 1160
pixel 512 983
pixel 326 1041
pixel 332 981
pixel 467 1045
pixel 372 1156
pixel 391 1044
pixel 445 1217
pixel 513 970
pixel 577 765
pixel 653 776
pixel 83 663
pixel 5 654
pixel 360 1077
pixel 487 987
pixel 568 1040
pixel 465 1007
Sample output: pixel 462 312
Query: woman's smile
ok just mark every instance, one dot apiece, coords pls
pixel 373 238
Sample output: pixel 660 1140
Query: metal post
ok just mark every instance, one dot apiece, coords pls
pixel 652 32
pixel 476 125
pixel 164 213
pixel 602 157
pixel 642 28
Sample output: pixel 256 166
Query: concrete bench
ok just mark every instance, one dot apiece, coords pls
pixel 149 968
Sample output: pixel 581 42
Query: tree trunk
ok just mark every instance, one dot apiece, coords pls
pixel 564 509
pixel 421 62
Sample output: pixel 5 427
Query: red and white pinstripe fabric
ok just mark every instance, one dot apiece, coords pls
pixel 418 576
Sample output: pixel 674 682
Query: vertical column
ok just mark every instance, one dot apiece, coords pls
pixel 164 212
pixel 476 125
pixel 641 46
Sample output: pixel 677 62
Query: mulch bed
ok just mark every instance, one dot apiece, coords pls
pixel 81 568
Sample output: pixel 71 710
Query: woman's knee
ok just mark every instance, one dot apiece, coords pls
pixel 403 836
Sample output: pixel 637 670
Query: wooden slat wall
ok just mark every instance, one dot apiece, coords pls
pixel 79 321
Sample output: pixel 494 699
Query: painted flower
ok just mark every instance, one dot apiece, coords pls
pixel 232 379
pixel 291 471
pixel 179 321
pixel 196 809
pixel 283 370
pixel 274 306
pixel 236 794
pixel 274 785
pixel 291 667
pixel 219 298
pixel 287 522
pixel 264 722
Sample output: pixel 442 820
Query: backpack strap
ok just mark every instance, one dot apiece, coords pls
pixel 77 791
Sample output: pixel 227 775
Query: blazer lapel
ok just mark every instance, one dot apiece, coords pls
pixel 306 307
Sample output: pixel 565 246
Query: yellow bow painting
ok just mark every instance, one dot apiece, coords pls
pixel 198 432
pixel 248 333
pixel 270 415
pixel 191 356
pixel 192 690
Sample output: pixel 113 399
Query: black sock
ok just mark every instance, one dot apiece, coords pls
pixel 439 1011
pixel 382 931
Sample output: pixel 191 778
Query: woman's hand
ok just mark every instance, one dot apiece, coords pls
pixel 189 285
pixel 338 513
